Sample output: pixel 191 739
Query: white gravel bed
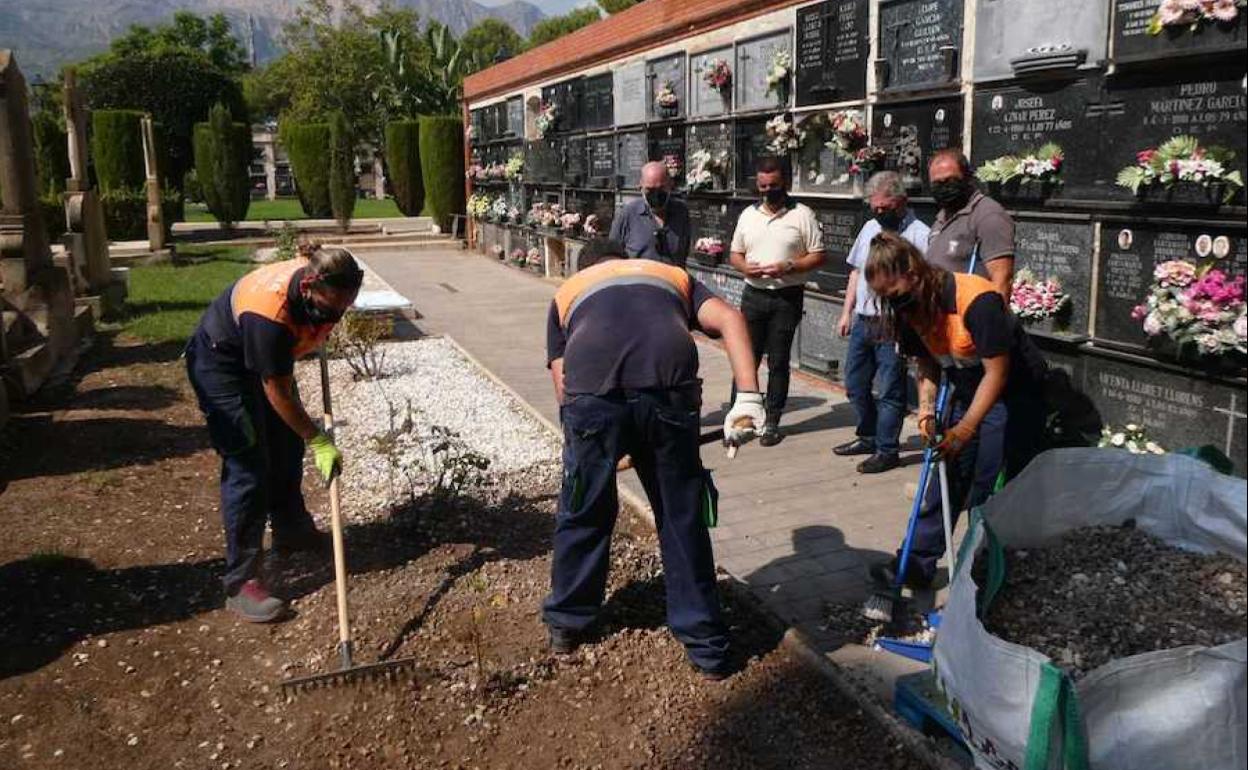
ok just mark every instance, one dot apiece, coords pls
pixel 443 389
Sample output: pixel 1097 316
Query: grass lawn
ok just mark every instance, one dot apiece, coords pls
pixel 166 301
pixel 288 208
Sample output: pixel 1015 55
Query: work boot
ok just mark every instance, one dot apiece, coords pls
pixel 310 540
pixel 564 641
pixel 254 604
pixel 878 463
pixel 859 446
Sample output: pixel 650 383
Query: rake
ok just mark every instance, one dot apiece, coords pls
pixel 348 671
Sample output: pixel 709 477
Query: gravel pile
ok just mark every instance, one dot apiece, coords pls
pixel 1103 593
pixel 430 382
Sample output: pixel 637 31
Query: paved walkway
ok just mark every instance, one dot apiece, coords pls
pixel 797 524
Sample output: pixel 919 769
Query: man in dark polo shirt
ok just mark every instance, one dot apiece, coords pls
pixel 625 370
pixel 969 224
pixel 656 225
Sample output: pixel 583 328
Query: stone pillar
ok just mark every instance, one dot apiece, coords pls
pixel 86 240
pixel 270 169
pixel 155 214
pixel 23 240
pixel 379 177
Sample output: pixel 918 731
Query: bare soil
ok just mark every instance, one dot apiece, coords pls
pixel 115 651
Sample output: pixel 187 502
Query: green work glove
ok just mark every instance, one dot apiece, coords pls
pixel 326 456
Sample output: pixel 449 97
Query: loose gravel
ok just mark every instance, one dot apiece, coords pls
pixel 431 382
pixel 1104 593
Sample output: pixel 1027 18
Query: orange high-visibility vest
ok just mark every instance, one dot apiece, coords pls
pixel 265 293
pixel 949 341
pixel 621 272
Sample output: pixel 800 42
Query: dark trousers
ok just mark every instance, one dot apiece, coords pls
pixel 869 358
pixel 261 460
pixel 773 316
pixel 660 430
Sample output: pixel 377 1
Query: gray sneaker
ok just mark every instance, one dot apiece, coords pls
pixel 254 604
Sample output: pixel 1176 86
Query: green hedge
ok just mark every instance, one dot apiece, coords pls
pixel 442 166
pixel 341 169
pixel 125 212
pixel 117 149
pixel 307 146
pixel 53 215
pixel 51 153
pixel 403 166
pixel 222 165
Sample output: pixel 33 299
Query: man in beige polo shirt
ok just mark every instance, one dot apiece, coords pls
pixel 776 243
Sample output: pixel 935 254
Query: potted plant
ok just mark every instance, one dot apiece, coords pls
pixel 1033 174
pixel 1195 316
pixel 518 257
pixel 1039 302
pixel 667 103
pixel 1181 170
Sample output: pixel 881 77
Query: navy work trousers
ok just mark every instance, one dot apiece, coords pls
pixel 261 459
pixel 660 430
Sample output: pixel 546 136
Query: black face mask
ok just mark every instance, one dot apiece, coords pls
pixel 776 196
pixel 889 220
pixel 318 315
pixel 901 302
pixel 951 194
pixel 657 199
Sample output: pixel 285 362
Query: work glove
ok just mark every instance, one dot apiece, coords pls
pixel 744 419
pixel 927 429
pixel 956 439
pixel 325 455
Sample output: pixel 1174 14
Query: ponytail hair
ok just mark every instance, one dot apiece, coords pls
pixel 891 256
pixel 333 267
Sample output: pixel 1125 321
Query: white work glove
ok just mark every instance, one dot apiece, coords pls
pixel 744 419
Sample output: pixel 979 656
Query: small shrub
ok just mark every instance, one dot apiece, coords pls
pixel 436 459
pixel 357 340
pixel 117 149
pixel 222 165
pixel 286 239
pixel 341 170
pixel 125 212
pixel 191 188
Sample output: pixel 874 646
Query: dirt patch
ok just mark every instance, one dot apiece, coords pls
pixel 116 652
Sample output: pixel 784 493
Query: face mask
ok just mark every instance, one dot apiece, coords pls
pixel 318 315
pixel 775 197
pixel 889 220
pixel 657 199
pixel 900 302
pixel 951 194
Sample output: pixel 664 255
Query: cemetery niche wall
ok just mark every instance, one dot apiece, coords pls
pixel 833 41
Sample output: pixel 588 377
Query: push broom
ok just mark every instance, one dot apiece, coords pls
pixel 348 670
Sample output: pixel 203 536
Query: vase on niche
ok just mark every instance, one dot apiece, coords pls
pixel 1187 355
pixel 1188 193
pixel 1021 189
pixel 667 111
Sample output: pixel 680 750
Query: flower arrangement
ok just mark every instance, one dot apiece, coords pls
pixel 712 247
pixel 1196 306
pixel 547 116
pixel 569 221
pixel 784 136
pixel 496 251
pixel 666 97
pixel 513 214
pixel 499 209
pixel 479 205
pixel 495 172
pixel 475 172
pixel 514 169
pixel 533 258
pixel 778 72
pixel 544 214
pixel 848 132
pixel 867 159
pixel 705 168
pixel 673 165
pixel 1032 299
pixel 717 74
pixel 1131 438
pixel 1042 165
pixel 1182 159
pixel 592 226
pixel 518 257
pixel 1193 13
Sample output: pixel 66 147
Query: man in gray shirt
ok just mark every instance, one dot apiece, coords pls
pixel 969 224
pixel 655 226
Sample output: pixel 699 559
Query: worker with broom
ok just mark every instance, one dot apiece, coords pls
pixel 625 371
pixel 955 325
pixel 240 361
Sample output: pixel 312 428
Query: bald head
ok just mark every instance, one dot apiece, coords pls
pixel 948 164
pixel 654 176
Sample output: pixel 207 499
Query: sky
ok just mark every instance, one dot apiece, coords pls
pixel 549 7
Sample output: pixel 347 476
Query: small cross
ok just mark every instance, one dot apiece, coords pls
pixel 1231 414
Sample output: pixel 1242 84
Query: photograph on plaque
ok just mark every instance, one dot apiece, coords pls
pixel 667 87
pixel 764 72
pixel 710 82
pixel 709 157
pixel 1144 31
pixel 631 87
pixel 833 41
pixel 920 44
pixel 630 155
pixel 1038 139
pixel 826 161
pixel 1156 122
pixel 1133 251
pixel 667 145
pixel 910 133
pixel 1017 38
pixel 1053 274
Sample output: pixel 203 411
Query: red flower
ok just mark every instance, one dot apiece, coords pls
pixel 1144 157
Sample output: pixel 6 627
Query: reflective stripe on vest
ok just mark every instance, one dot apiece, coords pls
pixel 621 272
pixel 950 342
pixel 265 292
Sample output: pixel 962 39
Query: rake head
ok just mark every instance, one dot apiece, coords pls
pixel 385 672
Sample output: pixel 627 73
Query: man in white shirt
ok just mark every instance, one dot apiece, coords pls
pixel 776 243
pixel 871 358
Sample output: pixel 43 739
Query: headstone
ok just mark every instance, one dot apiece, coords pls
pixel 1132 41
pixel 754 59
pixel 704 99
pixel 667 144
pixel 1143 110
pixel 515 117
pixel 601 161
pixel 820 347
pixel 597 103
pixel 1132 248
pixel 822 169
pixel 86 239
pixel 1175 410
pixel 669 70
pixel 911 132
pixel 630 94
pixel 833 40
pixel 544 161
pixel 1013 119
pixel 717 139
pixel 630 156
pixel 841 221
pixel 23 238
pixel 726 284
pixel 1022 37
pixel 566 96
pixel 751 147
pixel 576 161
pixel 711 218
pixel 1060 249
pixel 920 44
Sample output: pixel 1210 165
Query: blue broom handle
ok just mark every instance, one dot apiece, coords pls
pixel 924 477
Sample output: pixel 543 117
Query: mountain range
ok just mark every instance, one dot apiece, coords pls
pixel 49 33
